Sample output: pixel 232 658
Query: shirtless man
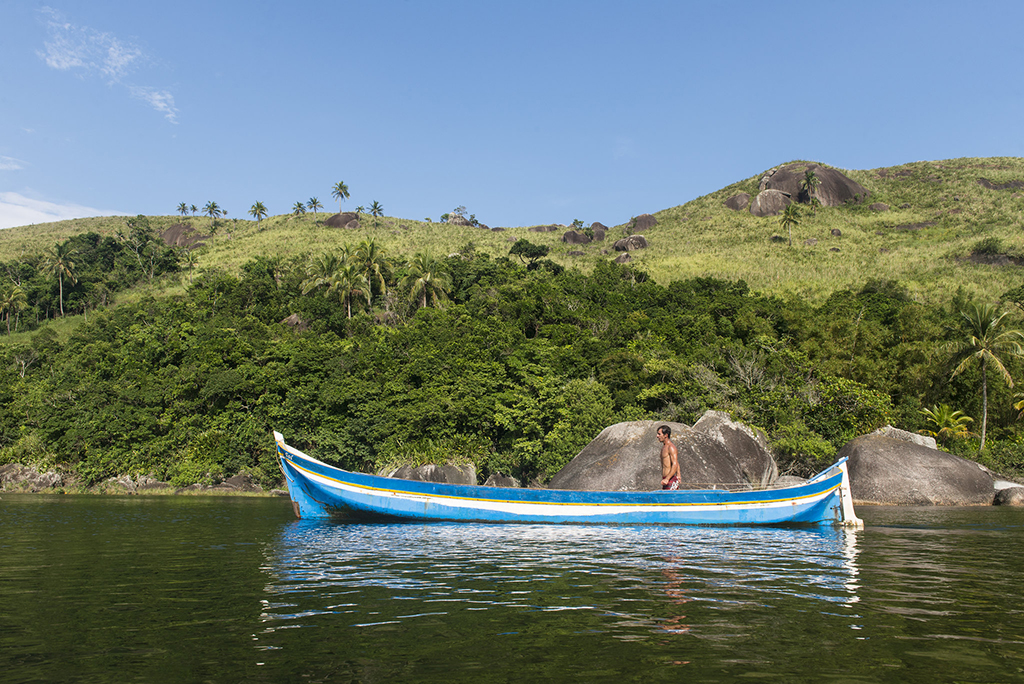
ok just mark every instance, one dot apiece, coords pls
pixel 669 459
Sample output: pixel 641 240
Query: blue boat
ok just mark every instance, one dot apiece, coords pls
pixel 319 490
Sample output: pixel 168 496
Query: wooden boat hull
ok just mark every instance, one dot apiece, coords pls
pixel 320 490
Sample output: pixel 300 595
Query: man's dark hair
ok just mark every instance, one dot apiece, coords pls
pixel 665 430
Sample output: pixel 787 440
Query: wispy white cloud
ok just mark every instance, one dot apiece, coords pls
pixel 18 210
pixel 87 52
pixel 11 164
pixel 160 100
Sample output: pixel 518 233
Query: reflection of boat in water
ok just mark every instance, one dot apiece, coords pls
pixel 320 490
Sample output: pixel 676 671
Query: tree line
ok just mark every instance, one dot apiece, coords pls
pixel 510 363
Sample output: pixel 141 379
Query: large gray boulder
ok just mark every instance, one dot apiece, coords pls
pixel 738 202
pixel 628 244
pixel 462 475
pixel 626 457
pixel 770 203
pixel 747 446
pixel 889 471
pixel 834 188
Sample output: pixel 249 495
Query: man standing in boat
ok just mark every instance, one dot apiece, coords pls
pixel 669 459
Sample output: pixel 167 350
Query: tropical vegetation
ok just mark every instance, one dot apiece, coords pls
pixel 377 345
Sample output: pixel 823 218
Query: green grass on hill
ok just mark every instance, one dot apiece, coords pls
pixel 701 238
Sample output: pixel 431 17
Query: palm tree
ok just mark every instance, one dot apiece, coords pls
pixel 374 266
pixel 320 271
pixel 193 208
pixel 213 210
pixel 789 219
pixel 299 209
pixel 183 209
pixel 314 204
pixel 348 282
pixel 987 341
pixel 376 210
pixel 340 193
pixel 191 260
pixel 809 184
pixel 58 261
pixel 359 210
pixel 949 424
pixel 12 300
pixel 427 281
pixel 258 211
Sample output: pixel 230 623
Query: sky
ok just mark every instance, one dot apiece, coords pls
pixel 524 112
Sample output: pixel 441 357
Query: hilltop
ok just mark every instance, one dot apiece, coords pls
pixel 934 227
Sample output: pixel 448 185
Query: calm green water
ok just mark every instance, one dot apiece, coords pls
pixel 165 589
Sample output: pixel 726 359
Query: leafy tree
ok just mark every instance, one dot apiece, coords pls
pixel 12 300
pixel 427 281
pixel 376 210
pixel 948 423
pixel 299 209
pixel 58 261
pixel 528 252
pixel 988 342
pixel 183 209
pixel 314 204
pixel 258 211
pixel 790 218
pixel 340 193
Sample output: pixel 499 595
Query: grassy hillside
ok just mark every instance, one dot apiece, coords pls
pixel 939 216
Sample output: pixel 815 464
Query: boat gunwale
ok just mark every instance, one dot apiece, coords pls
pixel 821 485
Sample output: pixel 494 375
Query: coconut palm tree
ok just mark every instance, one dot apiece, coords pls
pixel 258 211
pixel 59 262
pixel 213 210
pixel 988 342
pixel 191 260
pixel 314 204
pixel 319 271
pixel 789 219
pixel 348 283
pixel 375 267
pixel 809 184
pixel 183 209
pixel 948 424
pixel 376 210
pixel 427 281
pixel 193 208
pixel 299 209
pixel 340 193
pixel 12 300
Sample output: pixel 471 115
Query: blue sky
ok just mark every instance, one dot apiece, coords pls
pixel 525 112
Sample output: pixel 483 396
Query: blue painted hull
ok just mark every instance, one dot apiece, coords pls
pixel 320 490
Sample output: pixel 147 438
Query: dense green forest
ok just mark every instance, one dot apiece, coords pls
pixel 120 354
pixel 513 366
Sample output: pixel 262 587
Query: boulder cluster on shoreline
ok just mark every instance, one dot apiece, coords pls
pixel 889 467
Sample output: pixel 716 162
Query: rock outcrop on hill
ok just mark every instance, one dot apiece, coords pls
pixel 769 203
pixel 641 223
pixel 345 220
pixel 738 202
pixel 625 457
pixel 628 244
pixel 891 471
pixel 183 235
pixel 834 188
